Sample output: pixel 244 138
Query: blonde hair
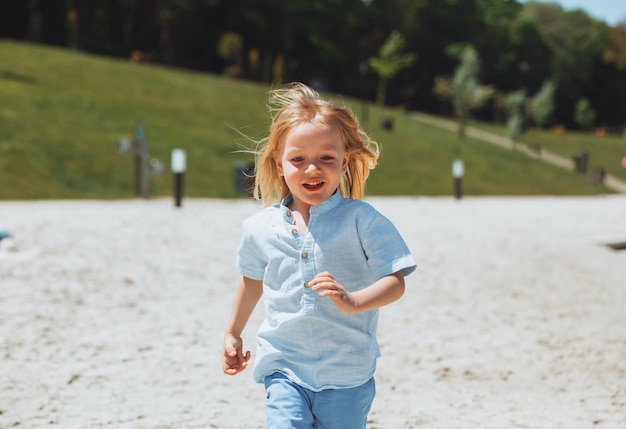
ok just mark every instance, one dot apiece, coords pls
pixel 296 104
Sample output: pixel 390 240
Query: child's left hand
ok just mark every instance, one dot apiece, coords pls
pixel 325 284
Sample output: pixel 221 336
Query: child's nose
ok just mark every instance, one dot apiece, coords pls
pixel 311 167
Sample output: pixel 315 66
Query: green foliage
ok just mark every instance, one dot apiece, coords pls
pixel 62 112
pixel 515 126
pixel 521 109
pixel 515 105
pixel 443 88
pixel 467 94
pixel 584 115
pixel 230 46
pixel 577 44
pixel 541 105
pixel 521 44
pixel 391 61
pixel 616 51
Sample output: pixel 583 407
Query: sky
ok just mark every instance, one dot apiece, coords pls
pixel 609 11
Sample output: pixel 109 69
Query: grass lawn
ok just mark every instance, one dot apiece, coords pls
pixel 62 112
pixel 606 151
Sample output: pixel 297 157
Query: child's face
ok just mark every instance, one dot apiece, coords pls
pixel 312 162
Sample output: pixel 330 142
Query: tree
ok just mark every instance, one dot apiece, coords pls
pixel 615 54
pixel 443 88
pixel 616 51
pixel 584 115
pixel 390 61
pixel 521 108
pixel 467 93
pixel 329 43
pixel 516 107
pixel 577 43
pixel 541 104
pixel 230 47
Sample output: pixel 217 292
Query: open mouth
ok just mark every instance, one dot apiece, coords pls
pixel 313 185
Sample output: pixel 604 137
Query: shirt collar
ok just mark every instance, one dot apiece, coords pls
pixel 332 202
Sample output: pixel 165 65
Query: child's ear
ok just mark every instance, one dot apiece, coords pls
pixel 344 162
pixel 279 165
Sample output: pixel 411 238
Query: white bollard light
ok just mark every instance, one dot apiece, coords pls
pixel 458 169
pixel 179 165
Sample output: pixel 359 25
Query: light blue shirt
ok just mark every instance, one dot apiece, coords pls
pixel 304 335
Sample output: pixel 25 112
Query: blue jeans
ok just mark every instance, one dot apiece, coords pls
pixel 290 406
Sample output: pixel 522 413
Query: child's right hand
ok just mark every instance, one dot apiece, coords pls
pixel 233 360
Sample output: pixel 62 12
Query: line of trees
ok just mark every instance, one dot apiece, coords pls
pixel 339 45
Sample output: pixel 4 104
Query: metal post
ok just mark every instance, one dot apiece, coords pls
pixel 144 168
pixel 457 173
pixel 178 168
pixel 141 162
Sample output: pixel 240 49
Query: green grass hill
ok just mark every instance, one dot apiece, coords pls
pixel 62 112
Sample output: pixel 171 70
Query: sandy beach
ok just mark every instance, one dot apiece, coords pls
pixel 112 314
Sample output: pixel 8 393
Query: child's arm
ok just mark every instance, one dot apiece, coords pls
pixel 382 292
pixel 248 294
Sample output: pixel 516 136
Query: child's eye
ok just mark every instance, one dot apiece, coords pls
pixel 297 159
pixel 327 158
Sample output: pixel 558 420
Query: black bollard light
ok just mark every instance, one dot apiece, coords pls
pixel 178 169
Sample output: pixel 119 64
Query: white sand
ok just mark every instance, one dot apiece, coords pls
pixel 111 315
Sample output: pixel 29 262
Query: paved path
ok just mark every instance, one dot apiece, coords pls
pixel 610 181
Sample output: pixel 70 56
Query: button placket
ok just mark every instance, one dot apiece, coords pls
pixel 304 266
pixel 307 271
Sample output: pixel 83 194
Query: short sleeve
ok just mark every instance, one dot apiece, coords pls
pixel 385 249
pixel 251 260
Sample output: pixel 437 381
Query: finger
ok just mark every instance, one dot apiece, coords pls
pixel 242 360
pixel 232 371
pixel 234 359
pixel 325 275
pixel 230 350
pixel 230 366
pixel 234 366
pixel 229 369
pixel 329 285
pixel 330 293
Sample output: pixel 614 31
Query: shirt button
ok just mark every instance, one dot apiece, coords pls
pixel 288 213
pixel 304 255
pixel 294 231
pixel 306 285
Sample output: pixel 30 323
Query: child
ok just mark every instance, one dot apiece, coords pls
pixel 324 262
